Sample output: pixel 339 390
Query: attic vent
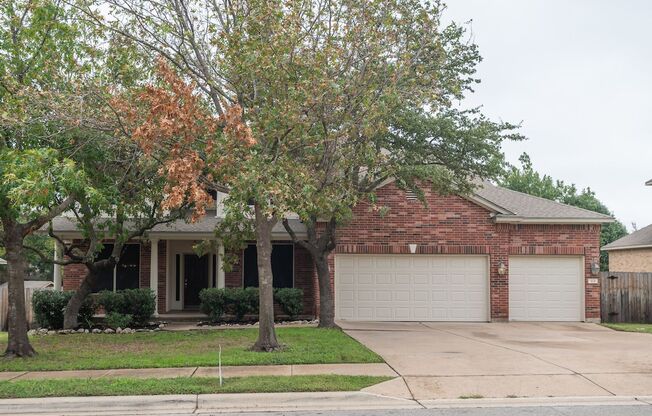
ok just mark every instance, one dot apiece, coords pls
pixel 411 195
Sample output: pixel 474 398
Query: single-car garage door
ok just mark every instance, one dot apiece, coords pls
pixel 411 287
pixel 545 288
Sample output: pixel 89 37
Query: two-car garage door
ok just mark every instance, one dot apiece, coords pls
pixel 411 288
pixel 454 288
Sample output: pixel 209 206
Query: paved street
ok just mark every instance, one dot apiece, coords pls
pixel 328 404
pixel 517 359
pixel 497 411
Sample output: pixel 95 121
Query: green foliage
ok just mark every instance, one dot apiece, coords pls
pixel 291 301
pixel 527 180
pixel 213 303
pixel 184 385
pixel 111 301
pixel 118 320
pixel 234 300
pixel 49 306
pixel 139 304
pixel 163 349
pixel 241 301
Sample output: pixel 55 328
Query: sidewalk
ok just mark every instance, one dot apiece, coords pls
pixel 375 369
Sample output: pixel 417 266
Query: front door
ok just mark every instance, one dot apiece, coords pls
pixel 195 275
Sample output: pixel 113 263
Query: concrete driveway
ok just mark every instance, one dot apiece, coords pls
pixel 451 360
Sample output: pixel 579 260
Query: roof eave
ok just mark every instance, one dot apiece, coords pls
pixel 513 219
pixel 631 247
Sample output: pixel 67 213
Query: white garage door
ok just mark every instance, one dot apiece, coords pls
pixel 545 288
pixel 411 288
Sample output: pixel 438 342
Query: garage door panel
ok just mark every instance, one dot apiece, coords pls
pixel 422 287
pixel 545 288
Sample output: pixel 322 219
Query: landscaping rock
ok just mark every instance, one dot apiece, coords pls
pixel 32 332
pixel 161 325
pixel 51 332
pixel 109 331
pixel 96 330
pixel 43 331
pixel 86 331
pixel 80 330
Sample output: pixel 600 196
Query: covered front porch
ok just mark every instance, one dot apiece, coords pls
pixel 166 262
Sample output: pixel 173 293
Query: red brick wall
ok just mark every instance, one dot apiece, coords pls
pixel 454 225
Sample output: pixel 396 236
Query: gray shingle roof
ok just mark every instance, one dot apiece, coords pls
pixel 521 206
pixel 640 238
pixel 204 227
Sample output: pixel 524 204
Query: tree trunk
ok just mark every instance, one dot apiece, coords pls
pixel 18 343
pixel 326 299
pixel 266 334
pixel 71 313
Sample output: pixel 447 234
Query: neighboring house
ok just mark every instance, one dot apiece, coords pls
pixel 493 256
pixel 632 253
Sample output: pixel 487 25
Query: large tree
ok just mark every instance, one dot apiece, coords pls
pixel 526 179
pixel 43 52
pixel 445 150
pixel 330 98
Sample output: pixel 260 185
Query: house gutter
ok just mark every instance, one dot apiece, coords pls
pixel 513 219
pixel 607 248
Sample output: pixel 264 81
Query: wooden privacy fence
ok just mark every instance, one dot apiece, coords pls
pixel 626 297
pixel 30 287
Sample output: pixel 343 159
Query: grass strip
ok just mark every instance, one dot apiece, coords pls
pixel 186 349
pixel 182 385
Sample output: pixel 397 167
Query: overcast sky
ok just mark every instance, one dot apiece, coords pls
pixel 578 75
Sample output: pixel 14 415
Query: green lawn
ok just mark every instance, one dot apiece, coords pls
pixel 182 385
pixel 186 349
pixel 647 328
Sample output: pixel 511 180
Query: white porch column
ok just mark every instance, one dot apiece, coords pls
pixel 221 283
pixel 58 269
pixel 153 271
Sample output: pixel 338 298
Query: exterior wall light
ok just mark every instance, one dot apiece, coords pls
pixel 502 269
pixel 595 268
pixel 413 248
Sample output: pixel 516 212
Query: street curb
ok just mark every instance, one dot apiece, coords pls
pixel 279 402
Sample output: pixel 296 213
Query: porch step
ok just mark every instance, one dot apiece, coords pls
pixel 182 317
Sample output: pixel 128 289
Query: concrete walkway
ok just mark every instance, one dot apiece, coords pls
pixel 375 369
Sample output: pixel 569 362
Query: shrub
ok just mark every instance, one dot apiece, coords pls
pixel 241 301
pixel 213 303
pixel 111 301
pixel 140 304
pixel 118 320
pixel 49 306
pixel 290 300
